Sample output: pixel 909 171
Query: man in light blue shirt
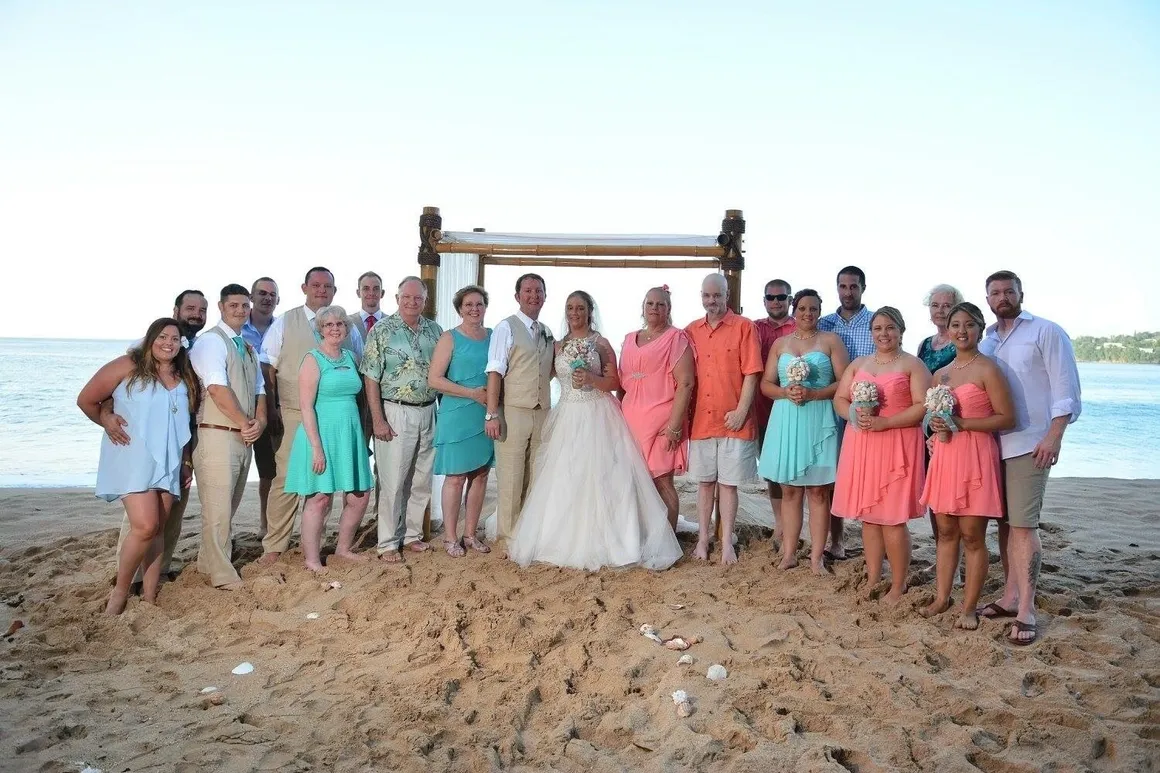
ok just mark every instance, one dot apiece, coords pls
pixel 1038 360
pixel 264 294
pixel 852 324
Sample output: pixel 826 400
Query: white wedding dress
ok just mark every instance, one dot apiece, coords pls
pixel 592 502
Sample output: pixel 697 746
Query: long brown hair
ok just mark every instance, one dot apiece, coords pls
pixel 145 365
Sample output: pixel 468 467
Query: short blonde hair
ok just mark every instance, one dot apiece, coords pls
pixel 956 296
pixel 327 312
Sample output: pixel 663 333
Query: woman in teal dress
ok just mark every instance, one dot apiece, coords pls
pixel 329 452
pixel 463 451
pixel 801 441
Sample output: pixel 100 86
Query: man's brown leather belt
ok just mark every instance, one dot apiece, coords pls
pixel 219 426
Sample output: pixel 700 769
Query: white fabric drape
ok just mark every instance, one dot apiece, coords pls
pixel 595 240
pixel 455 271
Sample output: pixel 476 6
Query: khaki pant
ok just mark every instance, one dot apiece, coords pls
pixel 515 452
pixel 221 463
pixel 405 463
pixel 1024 485
pixel 281 507
pixel 171 533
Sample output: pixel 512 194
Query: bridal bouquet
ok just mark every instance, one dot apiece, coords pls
pixel 577 350
pixel 940 403
pixel 797 371
pixel 864 396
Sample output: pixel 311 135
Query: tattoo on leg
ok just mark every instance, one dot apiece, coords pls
pixel 1033 569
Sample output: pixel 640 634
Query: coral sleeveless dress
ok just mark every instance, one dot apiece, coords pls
pixel 963 478
pixel 880 474
pixel 646 373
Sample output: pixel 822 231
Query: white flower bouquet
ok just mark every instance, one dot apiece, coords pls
pixel 940 403
pixel 864 397
pixel 577 350
pixel 797 371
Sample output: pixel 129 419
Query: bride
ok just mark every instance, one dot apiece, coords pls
pixel 592 502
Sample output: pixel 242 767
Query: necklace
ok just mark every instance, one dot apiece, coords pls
pixel 801 337
pixel 966 364
pixel 892 359
pixel 648 335
pixel 333 360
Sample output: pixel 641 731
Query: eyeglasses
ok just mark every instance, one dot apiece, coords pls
pixel 333 324
pixel 776 296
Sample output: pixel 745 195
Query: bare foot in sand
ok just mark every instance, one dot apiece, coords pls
pixel 391 557
pixel 937 607
pixel 893 597
pixel 789 561
pixel 837 552
pixel 269 558
pixel 117 602
pixel 968 621
pixel 728 555
pixel 701 552
pixel 818 567
pixel 349 555
pixel 316 567
pixel 232 586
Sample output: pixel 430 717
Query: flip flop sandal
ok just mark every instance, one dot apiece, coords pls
pixel 453 548
pixel 1021 627
pixel 995 610
pixel 476 545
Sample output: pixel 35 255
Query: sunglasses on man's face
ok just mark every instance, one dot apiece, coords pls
pixel 776 296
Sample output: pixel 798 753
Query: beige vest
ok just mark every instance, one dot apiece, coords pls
pixel 242 374
pixel 527 383
pixel 298 339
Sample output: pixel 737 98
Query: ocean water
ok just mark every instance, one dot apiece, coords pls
pixel 46 441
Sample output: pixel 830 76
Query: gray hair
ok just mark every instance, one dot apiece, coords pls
pixel 719 280
pixel 413 279
pixel 327 312
pixel 956 296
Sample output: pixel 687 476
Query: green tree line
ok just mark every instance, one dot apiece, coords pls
pixel 1138 347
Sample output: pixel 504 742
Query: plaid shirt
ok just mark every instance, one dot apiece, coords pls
pixel 855 334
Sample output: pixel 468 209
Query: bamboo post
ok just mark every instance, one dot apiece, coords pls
pixel 480 266
pixel 733 261
pixel 430 232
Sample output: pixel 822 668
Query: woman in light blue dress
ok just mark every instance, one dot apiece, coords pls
pixel 801 441
pixel 154 389
pixel 463 451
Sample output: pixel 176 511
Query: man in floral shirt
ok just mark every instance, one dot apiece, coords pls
pixel 395 362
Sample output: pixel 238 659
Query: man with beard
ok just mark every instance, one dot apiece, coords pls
pixel 288 340
pixel 189 309
pixel 370 296
pixel 776 324
pixel 1038 360
pixel 264 295
pixel 852 324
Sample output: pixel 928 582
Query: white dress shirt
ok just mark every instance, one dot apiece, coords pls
pixel 209 359
pixel 1039 362
pixel 272 343
pixel 378 315
pixel 502 341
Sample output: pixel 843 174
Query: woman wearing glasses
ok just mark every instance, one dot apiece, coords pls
pixel 329 452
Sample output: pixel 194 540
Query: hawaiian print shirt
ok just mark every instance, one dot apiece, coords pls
pixel 399 358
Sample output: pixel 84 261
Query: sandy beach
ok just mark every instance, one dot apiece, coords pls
pixel 473 664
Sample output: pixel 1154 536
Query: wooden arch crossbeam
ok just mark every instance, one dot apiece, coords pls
pixel 722 252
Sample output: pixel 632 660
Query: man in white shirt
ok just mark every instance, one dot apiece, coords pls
pixel 519 366
pixel 370 295
pixel 230 418
pixel 1038 360
pixel 288 340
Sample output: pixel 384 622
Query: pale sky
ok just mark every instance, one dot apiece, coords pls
pixel 149 146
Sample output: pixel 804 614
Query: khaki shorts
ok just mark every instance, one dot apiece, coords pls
pixel 1023 488
pixel 726 460
pixel 264 456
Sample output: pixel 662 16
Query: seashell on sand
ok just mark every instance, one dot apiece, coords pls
pixel 16 626
pixel 241 669
pixel 686 660
pixel 680 696
pixel 208 690
pixel 647 629
pixel 717 672
pixel 213 699
pixel 312 615
pixel 677 643
pixel 684 709
pixel 334 585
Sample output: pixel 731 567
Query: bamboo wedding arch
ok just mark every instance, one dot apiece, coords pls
pixel 720 252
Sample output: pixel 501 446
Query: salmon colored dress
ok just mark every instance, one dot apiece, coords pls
pixel 963 478
pixel 881 474
pixel 646 376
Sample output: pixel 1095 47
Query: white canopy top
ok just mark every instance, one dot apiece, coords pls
pixel 603 240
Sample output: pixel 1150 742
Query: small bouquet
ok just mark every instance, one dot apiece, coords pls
pixel 863 396
pixel 797 371
pixel 577 350
pixel 940 403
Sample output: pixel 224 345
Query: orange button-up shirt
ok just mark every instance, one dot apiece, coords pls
pixel 725 356
pixel 768 333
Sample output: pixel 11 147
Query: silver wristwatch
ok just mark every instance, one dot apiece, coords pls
pixel 490 416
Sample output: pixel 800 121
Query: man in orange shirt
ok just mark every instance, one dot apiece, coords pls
pixel 778 322
pixel 723 437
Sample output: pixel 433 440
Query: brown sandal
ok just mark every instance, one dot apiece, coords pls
pixel 453 548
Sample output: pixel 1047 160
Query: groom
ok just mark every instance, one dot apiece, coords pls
pixel 519 366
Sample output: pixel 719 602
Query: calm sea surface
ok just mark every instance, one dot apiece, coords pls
pixel 46 441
